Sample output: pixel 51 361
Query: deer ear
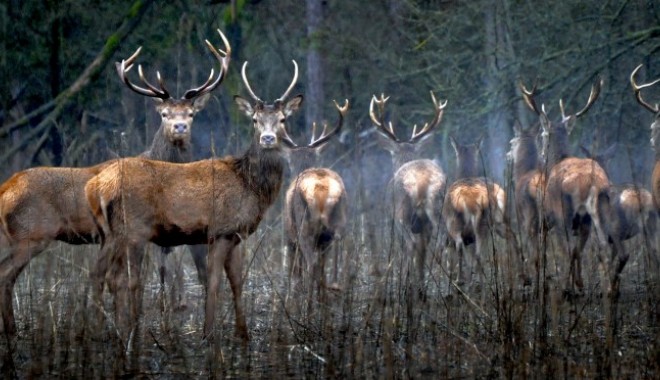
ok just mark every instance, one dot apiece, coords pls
pixel 200 102
pixel 244 105
pixel 454 144
pixel 292 105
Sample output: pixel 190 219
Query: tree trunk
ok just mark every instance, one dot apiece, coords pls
pixel 314 98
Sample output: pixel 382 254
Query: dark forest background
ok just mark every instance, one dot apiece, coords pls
pixel 63 104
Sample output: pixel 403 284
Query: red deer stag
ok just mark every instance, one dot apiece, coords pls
pixel 217 201
pixel 473 206
pixel 46 204
pixel 576 194
pixel 314 208
pixel 655 133
pixel 171 142
pixel 416 190
pixel 632 203
pixel 529 182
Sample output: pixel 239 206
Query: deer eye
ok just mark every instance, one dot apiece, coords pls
pixel 282 120
pixel 164 114
pixel 190 114
pixel 254 120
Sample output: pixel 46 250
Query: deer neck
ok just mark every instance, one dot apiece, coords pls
pixel 557 148
pixel 526 158
pixel 262 171
pixel 162 149
pixel 468 166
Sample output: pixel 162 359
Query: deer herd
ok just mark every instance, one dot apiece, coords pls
pixel 165 198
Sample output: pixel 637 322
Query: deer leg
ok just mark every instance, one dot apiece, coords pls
pixel 576 255
pixel 10 268
pixel 234 271
pixel 220 253
pixel 199 253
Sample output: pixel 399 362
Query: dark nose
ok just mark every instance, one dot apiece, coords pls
pixel 268 139
pixel 180 127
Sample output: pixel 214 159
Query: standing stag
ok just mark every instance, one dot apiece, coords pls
pixel 314 208
pixel 632 203
pixel 46 204
pixel 529 182
pixel 217 201
pixel 416 191
pixel 655 135
pixel 473 206
pixel 171 141
pixel 577 190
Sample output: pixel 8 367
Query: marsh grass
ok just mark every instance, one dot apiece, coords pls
pixel 376 326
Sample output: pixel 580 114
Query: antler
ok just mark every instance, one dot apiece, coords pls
pixel 638 88
pixel 126 65
pixel 293 83
pixel 439 110
pixel 380 121
pixel 325 136
pixel 224 57
pixel 593 95
pixel 281 98
pixel 528 97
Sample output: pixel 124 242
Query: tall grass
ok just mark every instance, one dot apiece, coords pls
pixel 374 327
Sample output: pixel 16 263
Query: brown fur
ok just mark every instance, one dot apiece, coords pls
pixel 417 188
pixel 218 202
pixel 473 205
pixel 44 204
pixel 315 211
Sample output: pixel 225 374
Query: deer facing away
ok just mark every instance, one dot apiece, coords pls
pixel 577 191
pixel 529 181
pixel 218 202
pixel 315 209
pixel 655 142
pixel 472 207
pixel 416 190
pixel 45 204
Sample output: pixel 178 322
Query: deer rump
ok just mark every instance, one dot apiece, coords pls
pixel 576 190
pixel 170 215
pixel 416 193
pixel 476 203
pixel 318 207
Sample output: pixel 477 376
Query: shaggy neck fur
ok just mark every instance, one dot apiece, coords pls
pixel 261 170
pixel 162 149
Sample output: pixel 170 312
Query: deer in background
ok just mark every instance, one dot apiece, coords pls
pixel 632 203
pixel 529 182
pixel 171 141
pixel 577 191
pixel 314 208
pixel 46 204
pixel 472 207
pixel 416 190
pixel 219 202
pixel 655 138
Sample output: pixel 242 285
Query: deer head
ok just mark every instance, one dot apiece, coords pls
pixel 177 114
pixel 554 136
pixel 269 120
pixel 403 151
pixel 655 109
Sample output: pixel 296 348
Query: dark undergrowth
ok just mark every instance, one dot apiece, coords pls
pixel 380 323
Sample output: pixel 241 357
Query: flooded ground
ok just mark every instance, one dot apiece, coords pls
pixel 377 325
